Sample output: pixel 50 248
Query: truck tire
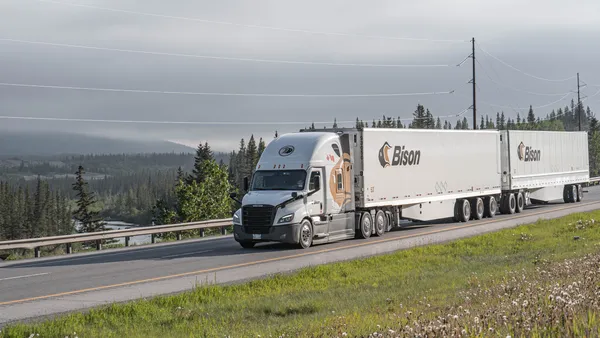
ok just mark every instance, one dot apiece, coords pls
pixel 381 221
pixel 478 208
pixel 365 226
pixel 306 234
pixel 570 193
pixel 509 203
pixel 491 207
pixel 390 224
pixel 520 203
pixel 464 210
pixel 579 193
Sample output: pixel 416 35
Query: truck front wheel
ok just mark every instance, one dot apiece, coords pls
pixel 306 234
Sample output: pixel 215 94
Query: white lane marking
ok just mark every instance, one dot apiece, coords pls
pixel 186 254
pixel 26 276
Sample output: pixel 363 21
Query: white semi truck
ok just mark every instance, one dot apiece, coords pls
pixel 321 186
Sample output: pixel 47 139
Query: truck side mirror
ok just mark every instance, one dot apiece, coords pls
pixel 246 185
pixel 233 196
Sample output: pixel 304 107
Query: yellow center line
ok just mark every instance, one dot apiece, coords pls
pixel 184 274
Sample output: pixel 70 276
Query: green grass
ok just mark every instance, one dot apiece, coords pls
pixel 358 297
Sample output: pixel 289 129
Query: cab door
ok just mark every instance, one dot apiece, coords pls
pixel 315 202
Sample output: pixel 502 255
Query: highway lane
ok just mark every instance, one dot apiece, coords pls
pixel 53 285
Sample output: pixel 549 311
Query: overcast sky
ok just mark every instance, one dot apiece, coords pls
pixel 546 38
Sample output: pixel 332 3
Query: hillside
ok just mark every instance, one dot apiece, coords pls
pixel 48 144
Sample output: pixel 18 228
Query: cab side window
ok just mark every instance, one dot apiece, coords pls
pixel 311 185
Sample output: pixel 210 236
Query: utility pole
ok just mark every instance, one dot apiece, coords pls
pixel 474 88
pixel 578 102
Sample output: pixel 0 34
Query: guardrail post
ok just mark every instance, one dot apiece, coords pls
pixel 69 248
pixel 179 235
pixel 126 241
pixel 98 245
pixel 37 252
pixel 201 232
pixel 153 238
pixel 223 231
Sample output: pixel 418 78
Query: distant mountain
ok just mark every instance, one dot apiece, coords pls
pixel 44 144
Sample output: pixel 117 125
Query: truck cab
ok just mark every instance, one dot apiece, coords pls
pixel 300 192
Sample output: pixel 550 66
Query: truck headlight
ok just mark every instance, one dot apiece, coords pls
pixel 286 218
pixel 236 218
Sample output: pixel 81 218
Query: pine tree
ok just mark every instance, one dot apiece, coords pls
pixel 464 124
pixel 482 124
pixel 419 117
pixel 335 125
pixel 89 219
pixel 243 170
pixel 438 124
pixel 252 155
pixel 261 147
pixel 203 153
pixel 531 117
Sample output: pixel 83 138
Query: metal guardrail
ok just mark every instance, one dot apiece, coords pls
pixel 98 237
pixel 36 243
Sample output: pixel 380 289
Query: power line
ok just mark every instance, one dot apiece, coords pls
pixel 250 26
pixel 60 119
pixel 218 57
pixel 140 91
pixel 517 89
pixel 523 72
pixel 533 107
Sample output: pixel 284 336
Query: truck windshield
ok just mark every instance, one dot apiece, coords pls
pixel 279 180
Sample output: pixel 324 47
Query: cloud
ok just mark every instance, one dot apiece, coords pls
pixel 546 38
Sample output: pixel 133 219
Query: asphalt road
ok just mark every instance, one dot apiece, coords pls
pixel 48 286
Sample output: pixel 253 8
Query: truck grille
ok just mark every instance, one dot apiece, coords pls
pixel 258 215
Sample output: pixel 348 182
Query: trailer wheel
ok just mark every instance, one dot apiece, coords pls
pixel 366 225
pixel 491 207
pixel 464 212
pixel 520 203
pixel 390 223
pixel 579 193
pixel 570 193
pixel 381 223
pixel 477 208
pixel 510 204
pixel 306 234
